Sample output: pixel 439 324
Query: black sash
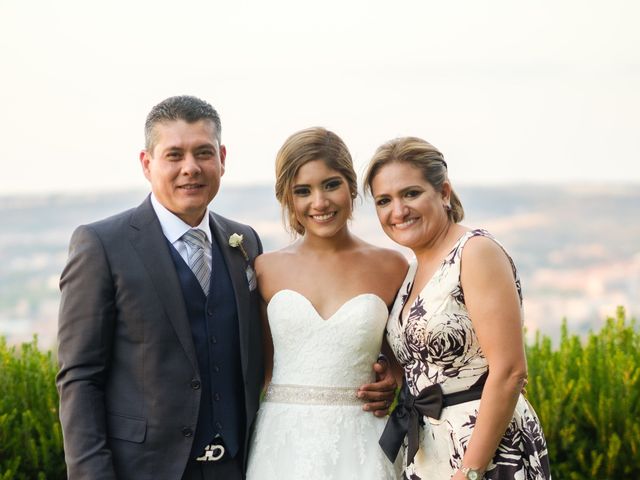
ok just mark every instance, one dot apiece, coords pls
pixel 407 417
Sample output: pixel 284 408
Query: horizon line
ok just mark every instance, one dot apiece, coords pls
pixel 591 184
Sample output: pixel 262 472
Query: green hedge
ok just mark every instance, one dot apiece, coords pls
pixel 586 392
pixel 30 435
pixel 587 395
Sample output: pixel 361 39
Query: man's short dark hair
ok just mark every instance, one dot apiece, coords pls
pixel 182 107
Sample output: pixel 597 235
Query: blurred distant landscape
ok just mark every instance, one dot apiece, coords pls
pixel 577 248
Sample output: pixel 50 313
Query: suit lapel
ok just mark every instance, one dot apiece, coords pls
pixel 236 264
pixel 151 245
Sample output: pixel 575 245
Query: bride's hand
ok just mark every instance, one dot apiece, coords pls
pixel 380 394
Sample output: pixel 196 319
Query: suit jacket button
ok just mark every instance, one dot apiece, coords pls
pixel 187 432
pixel 195 384
pixel 216 368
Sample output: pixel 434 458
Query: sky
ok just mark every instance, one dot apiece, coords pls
pixel 510 92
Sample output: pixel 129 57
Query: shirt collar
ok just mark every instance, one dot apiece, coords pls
pixel 172 226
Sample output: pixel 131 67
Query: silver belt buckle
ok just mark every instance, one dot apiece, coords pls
pixel 212 453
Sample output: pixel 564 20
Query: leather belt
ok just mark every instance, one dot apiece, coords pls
pixel 407 416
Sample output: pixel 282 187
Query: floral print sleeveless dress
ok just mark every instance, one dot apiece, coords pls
pixel 437 344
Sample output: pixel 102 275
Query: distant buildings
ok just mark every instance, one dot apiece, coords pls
pixel 577 251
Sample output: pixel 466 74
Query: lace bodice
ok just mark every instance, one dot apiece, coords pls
pixel 311 425
pixel 334 352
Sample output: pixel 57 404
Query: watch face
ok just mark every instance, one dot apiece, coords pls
pixel 473 475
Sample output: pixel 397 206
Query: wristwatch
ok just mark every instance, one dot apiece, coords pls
pixel 471 473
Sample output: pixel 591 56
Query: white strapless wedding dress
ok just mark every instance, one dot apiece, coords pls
pixel 311 424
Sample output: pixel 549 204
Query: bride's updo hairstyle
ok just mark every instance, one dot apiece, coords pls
pixel 423 156
pixel 310 144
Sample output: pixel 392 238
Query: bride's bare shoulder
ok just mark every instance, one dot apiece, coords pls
pixel 386 258
pixel 276 263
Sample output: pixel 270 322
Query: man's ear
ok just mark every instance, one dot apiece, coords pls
pixel 145 158
pixel 223 158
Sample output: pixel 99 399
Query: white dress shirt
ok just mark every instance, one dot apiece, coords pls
pixel 174 228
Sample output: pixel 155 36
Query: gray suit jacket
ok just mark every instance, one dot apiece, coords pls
pixel 126 353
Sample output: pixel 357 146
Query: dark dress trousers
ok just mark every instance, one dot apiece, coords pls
pixel 150 369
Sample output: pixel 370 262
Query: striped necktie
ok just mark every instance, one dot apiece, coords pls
pixel 197 241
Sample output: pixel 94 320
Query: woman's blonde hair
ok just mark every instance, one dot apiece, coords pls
pixel 310 144
pixel 423 156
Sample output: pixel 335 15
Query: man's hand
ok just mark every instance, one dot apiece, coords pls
pixel 379 395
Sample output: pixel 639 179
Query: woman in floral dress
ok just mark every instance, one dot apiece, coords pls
pixel 456 329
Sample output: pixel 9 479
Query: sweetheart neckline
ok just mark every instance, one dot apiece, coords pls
pixel 315 310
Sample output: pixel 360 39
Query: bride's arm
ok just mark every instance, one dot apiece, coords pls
pixel 261 269
pixel 394 366
pixel 380 395
pixel 267 344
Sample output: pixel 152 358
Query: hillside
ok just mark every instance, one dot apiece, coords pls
pixel 577 248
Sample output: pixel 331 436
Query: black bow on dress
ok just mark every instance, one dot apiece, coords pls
pixel 407 417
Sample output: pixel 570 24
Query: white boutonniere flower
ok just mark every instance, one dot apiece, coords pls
pixel 235 241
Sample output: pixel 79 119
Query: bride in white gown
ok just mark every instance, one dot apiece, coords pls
pixel 326 298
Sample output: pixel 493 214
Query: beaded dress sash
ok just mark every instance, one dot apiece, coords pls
pixel 312 395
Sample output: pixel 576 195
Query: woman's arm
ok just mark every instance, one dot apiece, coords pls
pixel 392 268
pixel 267 344
pixel 261 268
pixel 394 366
pixel 494 307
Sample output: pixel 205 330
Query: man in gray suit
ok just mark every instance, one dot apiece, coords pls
pixel 160 346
